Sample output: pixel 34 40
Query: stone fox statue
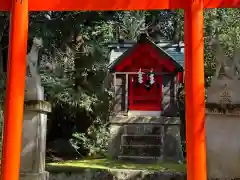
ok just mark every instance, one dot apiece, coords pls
pixel 222 61
pixel 230 67
pixel 32 58
pixel 236 60
pixel 33 89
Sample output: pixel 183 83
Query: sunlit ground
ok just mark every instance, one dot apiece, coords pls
pixel 111 165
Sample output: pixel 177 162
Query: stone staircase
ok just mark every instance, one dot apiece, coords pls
pixel 142 142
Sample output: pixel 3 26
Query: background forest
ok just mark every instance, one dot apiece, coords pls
pixel 76 54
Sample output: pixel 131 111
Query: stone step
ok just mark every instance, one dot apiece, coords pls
pixel 139 159
pixel 140 150
pixel 143 129
pixel 141 140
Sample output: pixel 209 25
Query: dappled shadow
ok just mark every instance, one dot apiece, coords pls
pixel 117 174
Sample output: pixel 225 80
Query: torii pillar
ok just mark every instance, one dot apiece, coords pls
pixel 194 89
pixel 14 102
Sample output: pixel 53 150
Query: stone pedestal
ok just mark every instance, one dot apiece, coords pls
pixel 34 140
pixel 218 87
pixel 222 130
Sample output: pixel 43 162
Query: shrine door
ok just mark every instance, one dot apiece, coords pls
pixel 145 97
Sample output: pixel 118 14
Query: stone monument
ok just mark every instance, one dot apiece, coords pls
pixel 223 117
pixel 35 121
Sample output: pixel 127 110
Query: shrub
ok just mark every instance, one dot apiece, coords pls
pixel 95 140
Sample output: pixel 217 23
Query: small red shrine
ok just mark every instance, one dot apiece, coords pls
pixel 146 75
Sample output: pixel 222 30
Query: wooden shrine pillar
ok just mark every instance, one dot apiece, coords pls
pixel 195 100
pixel 14 101
pixel 126 93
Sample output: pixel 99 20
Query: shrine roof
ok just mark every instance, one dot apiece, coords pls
pixel 174 51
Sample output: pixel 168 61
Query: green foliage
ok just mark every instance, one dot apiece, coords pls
pixel 89 63
pixel 131 24
pixel 223 22
pixel 77 81
pixel 95 140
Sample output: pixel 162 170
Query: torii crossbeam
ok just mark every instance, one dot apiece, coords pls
pixel 194 70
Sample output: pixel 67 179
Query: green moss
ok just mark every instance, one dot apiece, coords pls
pixel 106 164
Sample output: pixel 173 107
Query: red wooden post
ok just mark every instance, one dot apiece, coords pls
pixel 188 93
pixel 195 101
pixel 14 102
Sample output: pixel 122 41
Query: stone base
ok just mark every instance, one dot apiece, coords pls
pixel 217 88
pixel 34 140
pixel 34 176
pixel 145 137
pixel 223 146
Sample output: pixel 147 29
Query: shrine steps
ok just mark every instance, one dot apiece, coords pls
pixel 139 159
pixel 145 139
pixel 141 142
pixel 141 150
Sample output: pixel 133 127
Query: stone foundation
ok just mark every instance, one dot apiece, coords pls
pixel 223 145
pixel 222 129
pixel 156 138
pixel 34 140
pixel 34 176
pixel 117 175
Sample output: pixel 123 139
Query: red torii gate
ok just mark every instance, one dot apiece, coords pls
pixel 194 70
